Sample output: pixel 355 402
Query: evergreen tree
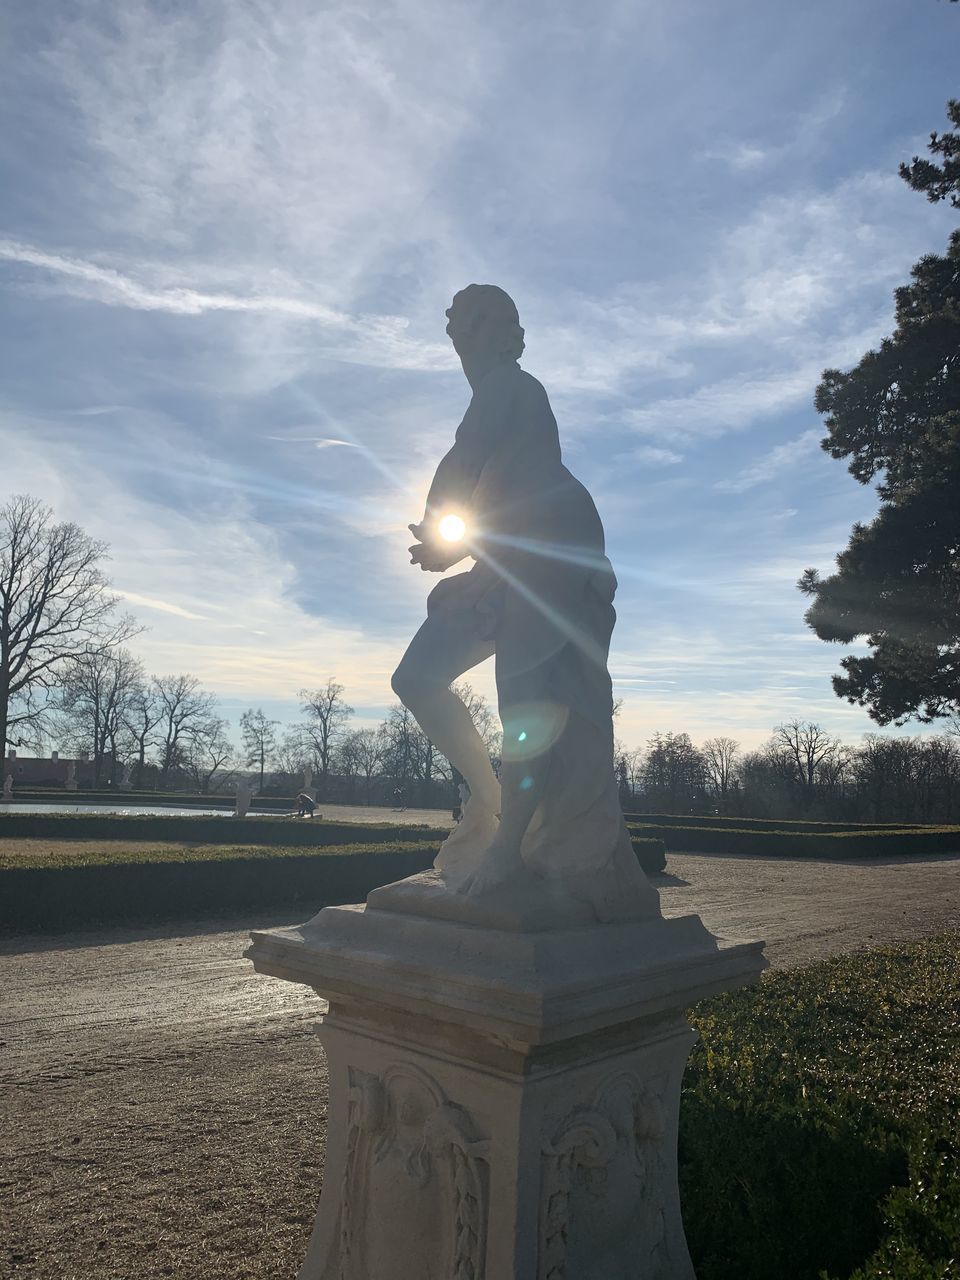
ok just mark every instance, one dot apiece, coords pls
pixel 896 417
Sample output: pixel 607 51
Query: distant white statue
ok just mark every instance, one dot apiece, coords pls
pixel 539 597
pixel 244 797
pixel 8 787
pixel 308 781
pixel 126 781
pixel 71 783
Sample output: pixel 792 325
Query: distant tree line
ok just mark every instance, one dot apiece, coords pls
pixel 800 772
pixel 67 675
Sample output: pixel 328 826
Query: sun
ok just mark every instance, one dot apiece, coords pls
pixel 451 528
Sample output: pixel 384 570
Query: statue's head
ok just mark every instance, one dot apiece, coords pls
pixel 484 325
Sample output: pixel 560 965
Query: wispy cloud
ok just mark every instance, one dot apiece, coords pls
pixel 377 339
pixel 227 219
pixel 651 456
pixel 740 156
pixel 773 463
pixel 730 405
pixel 107 285
pixel 318 442
pixel 161 606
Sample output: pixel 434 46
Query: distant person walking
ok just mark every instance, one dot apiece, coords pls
pixel 305 805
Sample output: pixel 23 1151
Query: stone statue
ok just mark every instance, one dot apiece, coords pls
pixel 505 1035
pixel 126 780
pixel 308 781
pixel 540 597
pixel 71 782
pixel 8 787
pixel 244 797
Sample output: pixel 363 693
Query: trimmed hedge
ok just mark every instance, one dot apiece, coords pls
pixel 211 880
pixel 207 829
pixel 898 843
pixel 174 799
pixel 769 824
pixel 56 898
pixel 651 853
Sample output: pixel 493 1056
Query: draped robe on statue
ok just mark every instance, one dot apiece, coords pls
pixel 542 593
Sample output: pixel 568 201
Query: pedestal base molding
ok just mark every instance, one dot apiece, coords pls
pixel 503 1102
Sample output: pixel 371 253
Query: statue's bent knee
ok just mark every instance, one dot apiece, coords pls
pixel 411 685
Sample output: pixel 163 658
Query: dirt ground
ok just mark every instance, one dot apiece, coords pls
pixel 163 1106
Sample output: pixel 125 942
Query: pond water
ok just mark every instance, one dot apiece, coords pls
pixel 11 806
pixel 334 812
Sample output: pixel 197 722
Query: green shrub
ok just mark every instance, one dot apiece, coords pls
pixel 651 853
pixel 820 1122
pixel 886 843
pixel 53 898
pixel 207 829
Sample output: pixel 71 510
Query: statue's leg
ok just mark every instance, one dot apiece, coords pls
pixel 523 778
pixel 443 649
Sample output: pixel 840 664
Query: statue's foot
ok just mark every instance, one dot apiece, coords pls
pixel 498 865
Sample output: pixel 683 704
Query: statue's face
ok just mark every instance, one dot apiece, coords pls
pixel 461 327
pixel 470 330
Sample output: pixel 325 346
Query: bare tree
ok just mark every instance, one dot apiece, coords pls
pixel 208 751
pixel 485 719
pixel 98 693
pixel 293 752
pixel 259 734
pixel 808 747
pixel 400 748
pixel 719 760
pixel 365 749
pixel 184 707
pixel 143 715
pixel 327 714
pixel 627 767
pixel 55 603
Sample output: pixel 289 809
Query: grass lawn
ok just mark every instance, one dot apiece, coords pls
pixel 45 852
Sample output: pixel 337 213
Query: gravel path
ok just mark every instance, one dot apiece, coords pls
pixel 163 1105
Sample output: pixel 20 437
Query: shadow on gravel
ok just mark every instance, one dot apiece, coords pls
pixel 29 943
pixel 910 860
pixel 665 878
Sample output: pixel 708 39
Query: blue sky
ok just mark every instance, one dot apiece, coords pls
pixel 229 232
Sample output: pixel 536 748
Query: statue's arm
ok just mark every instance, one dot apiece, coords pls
pixel 461 475
pixel 450 491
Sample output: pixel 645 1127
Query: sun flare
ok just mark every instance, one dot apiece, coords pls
pixel 451 528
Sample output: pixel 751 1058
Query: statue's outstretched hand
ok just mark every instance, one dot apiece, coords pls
pixel 431 559
pixel 431 556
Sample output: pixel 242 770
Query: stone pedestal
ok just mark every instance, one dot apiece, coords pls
pixel 504 1085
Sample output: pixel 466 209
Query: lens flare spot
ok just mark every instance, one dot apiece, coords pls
pixel 526 783
pixel 452 528
pixel 531 728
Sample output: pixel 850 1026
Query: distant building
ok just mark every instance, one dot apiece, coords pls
pixel 35 771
